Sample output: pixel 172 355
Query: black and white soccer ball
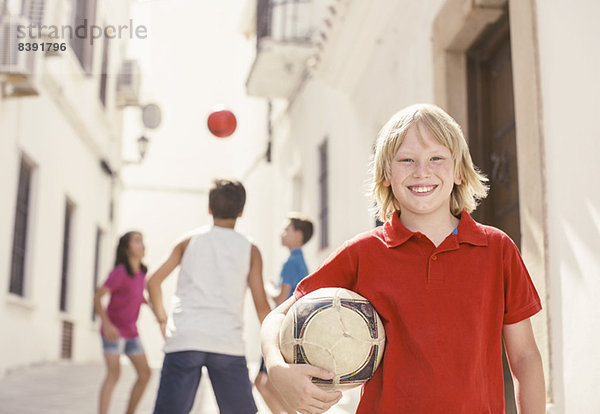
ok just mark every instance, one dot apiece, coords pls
pixel 337 330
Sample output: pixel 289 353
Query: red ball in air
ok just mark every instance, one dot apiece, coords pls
pixel 221 123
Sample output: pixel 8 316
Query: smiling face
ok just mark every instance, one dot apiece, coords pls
pixel 422 176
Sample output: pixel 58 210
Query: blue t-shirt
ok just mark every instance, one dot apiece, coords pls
pixel 294 269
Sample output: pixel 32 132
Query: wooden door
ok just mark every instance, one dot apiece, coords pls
pixel 492 140
pixel 492 128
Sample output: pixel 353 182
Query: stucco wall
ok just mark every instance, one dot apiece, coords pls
pixel 64 133
pixel 64 167
pixel 570 63
pixel 399 71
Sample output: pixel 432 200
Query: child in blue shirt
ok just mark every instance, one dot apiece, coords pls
pixel 297 232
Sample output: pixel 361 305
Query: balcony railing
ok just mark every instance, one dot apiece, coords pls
pixel 284 20
pixel 284 35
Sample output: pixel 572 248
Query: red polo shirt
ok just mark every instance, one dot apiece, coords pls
pixel 443 309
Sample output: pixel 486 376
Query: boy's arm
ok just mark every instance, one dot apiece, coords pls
pixel 284 292
pixel 293 381
pixel 526 366
pixel 255 282
pixel 288 272
pixel 156 279
pixel 110 331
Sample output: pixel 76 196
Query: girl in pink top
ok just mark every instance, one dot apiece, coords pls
pixel 125 284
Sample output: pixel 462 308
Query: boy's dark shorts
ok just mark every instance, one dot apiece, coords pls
pixel 263 367
pixel 180 377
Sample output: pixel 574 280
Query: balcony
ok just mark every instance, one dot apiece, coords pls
pixel 284 43
pixel 18 68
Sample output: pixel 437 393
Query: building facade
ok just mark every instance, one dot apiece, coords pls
pixel 524 93
pixel 60 146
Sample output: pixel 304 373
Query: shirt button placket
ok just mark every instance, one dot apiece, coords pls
pixel 436 274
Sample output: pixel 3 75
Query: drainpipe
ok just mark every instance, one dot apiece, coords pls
pixel 3 10
pixel 269 132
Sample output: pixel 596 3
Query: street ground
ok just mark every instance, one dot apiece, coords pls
pixel 71 388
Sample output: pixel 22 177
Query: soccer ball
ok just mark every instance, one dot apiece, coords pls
pixel 337 330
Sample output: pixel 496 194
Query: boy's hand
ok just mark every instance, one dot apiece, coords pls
pixel 163 328
pixel 110 331
pixel 293 381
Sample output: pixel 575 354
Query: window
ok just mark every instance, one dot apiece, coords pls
pixel 104 73
pixel 297 192
pixel 97 254
pixel 323 196
pixel 263 18
pixel 34 10
pixel 111 208
pixel 64 281
pixel 285 20
pixel 67 340
pixel 19 250
pixel 84 14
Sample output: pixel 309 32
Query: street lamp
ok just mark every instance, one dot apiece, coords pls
pixel 142 147
pixel 142 144
pixel 151 119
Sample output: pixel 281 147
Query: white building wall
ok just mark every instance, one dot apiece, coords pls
pixel 64 168
pixel 65 133
pixel 400 68
pixel 363 78
pixel 570 63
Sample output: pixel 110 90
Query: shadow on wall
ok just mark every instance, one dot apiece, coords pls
pixel 575 304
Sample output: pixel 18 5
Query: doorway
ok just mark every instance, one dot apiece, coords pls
pixel 493 143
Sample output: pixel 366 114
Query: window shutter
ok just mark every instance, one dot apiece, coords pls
pixel 34 11
pixel 17 271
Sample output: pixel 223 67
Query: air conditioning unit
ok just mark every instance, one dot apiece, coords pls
pixel 17 67
pixel 128 84
pixel 36 11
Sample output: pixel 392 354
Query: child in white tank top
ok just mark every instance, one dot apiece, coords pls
pixel 217 264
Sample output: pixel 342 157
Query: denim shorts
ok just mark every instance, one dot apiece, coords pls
pixel 131 346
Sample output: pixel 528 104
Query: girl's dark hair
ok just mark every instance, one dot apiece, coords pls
pixel 121 256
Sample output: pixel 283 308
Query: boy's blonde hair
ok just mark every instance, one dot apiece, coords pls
pixel 447 132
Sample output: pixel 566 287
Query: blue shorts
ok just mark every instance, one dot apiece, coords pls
pixel 180 377
pixel 131 346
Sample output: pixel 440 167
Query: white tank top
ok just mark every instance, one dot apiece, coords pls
pixel 209 299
